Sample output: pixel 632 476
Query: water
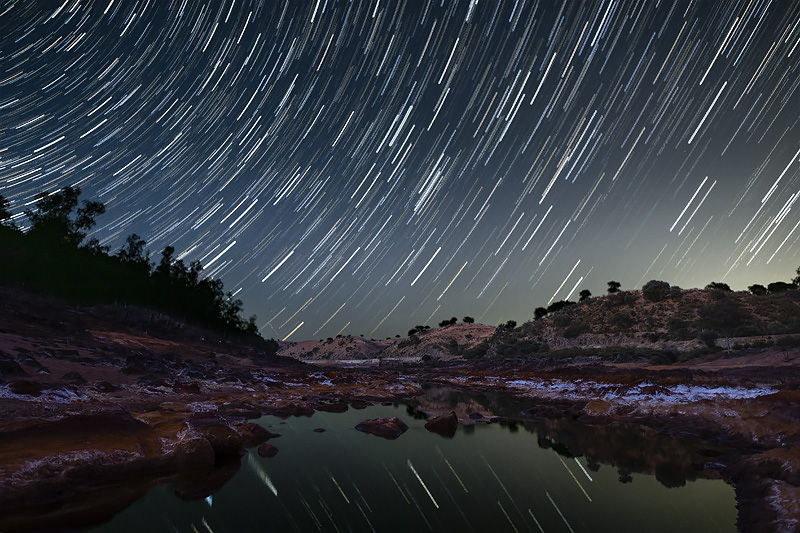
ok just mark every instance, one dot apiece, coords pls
pixel 489 477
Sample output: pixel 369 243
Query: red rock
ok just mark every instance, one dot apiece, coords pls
pixel 267 450
pixel 388 427
pixel 253 434
pixel 223 439
pixel 444 425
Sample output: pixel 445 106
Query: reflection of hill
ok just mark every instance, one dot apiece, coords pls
pixel 630 448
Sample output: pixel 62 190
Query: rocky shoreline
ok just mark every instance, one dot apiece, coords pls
pixel 191 435
pixel 94 414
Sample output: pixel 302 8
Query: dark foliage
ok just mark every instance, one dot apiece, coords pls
pixel 758 290
pixel 780 286
pixel 51 257
pixel 539 312
pixel 5 214
pixel 655 290
pixel 724 315
pixel 613 286
pixel 468 320
pixel 558 306
pixel 719 286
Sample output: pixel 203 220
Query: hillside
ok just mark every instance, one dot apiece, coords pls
pixel 684 325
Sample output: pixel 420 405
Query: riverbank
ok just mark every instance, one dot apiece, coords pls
pixel 94 414
pixel 64 442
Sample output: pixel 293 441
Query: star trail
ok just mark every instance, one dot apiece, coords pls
pixel 359 167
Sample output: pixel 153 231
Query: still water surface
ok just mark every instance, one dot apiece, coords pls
pixel 489 477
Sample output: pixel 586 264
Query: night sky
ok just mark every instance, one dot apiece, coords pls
pixel 361 167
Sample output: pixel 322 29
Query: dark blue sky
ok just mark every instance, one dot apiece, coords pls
pixel 362 167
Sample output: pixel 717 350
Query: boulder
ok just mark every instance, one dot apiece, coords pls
pixel 253 434
pixel 388 427
pixel 26 387
pixel 223 439
pixel 444 425
pixel 74 377
pixel 267 450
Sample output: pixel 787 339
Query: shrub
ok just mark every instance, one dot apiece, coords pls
pixel 758 290
pixel 708 337
pixel 655 291
pixel 575 328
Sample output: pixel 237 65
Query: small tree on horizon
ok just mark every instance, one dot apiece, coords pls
pixel 613 286
pixel 655 290
pixel 585 294
pixel 468 320
pixel 719 286
pixel 780 286
pixel 757 289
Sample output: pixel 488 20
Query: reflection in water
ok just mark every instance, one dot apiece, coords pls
pixel 531 475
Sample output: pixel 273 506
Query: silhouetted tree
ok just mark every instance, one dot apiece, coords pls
pixel 133 251
pixel 613 286
pixel 585 294
pixel 453 320
pixel 5 213
pixel 511 324
pixel 780 286
pixel 444 323
pixel 655 290
pixel 719 286
pixel 52 217
pixel 558 306
pixel 723 315
pixel 796 279
pixel 758 290
pixel 468 320
pixel 539 312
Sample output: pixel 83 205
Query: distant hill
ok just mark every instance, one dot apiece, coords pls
pixel 681 325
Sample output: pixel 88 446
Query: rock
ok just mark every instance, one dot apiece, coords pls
pixel 598 409
pixel 332 407
pixel 359 404
pixel 186 387
pixel 444 425
pixel 26 387
pixel 475 416
pixel 224 440
pixel 319 430
pixel 105 386
pixel 194 452
pixel 267 450
pixel 253 434
pixel 9 367
pixel 388 427
pixel 74 377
